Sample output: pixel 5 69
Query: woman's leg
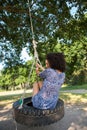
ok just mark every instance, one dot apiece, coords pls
pixel 36 87
pixel 40 84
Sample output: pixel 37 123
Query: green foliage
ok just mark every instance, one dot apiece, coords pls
pixel 76 60
pixel 17 75
pixel 79 77
pixel 50 18
pixel 55 29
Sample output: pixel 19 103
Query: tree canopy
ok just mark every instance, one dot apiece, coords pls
pixel 59 26
pixel 57 18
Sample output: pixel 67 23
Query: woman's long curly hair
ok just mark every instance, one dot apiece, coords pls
pixel 56 61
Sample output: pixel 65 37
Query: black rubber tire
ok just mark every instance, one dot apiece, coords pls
pixel 30 116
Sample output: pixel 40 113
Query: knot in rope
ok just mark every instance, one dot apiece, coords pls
pixel 35 50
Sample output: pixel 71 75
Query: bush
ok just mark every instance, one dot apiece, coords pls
pixel 79 77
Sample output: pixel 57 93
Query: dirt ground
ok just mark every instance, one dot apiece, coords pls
pixel 75 118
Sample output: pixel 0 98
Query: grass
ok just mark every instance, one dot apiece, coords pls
pixel 13 97
pixel 1 90
pixel 74 87
pixel 8 100
pixel 71 98
pixel 67 97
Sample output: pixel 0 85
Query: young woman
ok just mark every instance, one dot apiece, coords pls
pixel 46 93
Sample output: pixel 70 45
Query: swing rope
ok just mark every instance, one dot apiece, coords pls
pixel 33 36
pixel 36 58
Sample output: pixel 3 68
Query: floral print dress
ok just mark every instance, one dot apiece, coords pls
pixel 48 95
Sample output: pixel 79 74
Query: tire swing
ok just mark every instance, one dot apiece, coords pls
pixel 23 111
pixel 31 117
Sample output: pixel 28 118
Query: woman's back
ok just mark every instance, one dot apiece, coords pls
pixel 48 95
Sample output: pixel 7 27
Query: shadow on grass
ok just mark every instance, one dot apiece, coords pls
pixel 6 104
pixel 9 100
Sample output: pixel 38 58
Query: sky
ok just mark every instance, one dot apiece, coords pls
pixel 24 56
pixel 1 66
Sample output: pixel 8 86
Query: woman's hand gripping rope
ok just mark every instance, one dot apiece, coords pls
pixel 38 68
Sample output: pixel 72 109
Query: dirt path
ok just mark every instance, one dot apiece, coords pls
pixel 78 91
pixel 75 118
pixel 14 92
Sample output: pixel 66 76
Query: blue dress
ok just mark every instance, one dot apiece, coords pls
pixel 48 95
